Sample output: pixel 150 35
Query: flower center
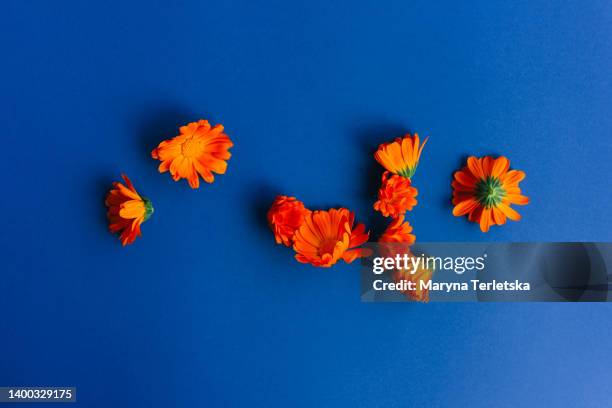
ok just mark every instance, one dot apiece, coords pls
pixel 489 192
pixel 328 246
pixel 191 147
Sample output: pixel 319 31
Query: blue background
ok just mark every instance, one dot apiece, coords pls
pixel 205 310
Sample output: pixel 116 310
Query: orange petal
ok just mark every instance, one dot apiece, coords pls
pixel 510 213
pixel 487 165
pixel 126 191
pixel 475 167
pixel 498 216
pixel 465 178
pixel 500 167
pixel 517 199
pixel 513 177
pixel 485 220
pixel 132 209
pixel 422 146
pixel 465 207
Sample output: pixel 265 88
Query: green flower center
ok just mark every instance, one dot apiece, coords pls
pixel 148 208
pixel 489 192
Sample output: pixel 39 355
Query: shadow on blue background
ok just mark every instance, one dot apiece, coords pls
pixel 205 310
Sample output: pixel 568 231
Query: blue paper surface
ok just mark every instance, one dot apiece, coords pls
pixel 205 310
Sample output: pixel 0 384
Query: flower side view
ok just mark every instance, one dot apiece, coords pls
pixel 199 150
pixel 328 236
pixel 398 232
pixel 485 189
pixel 401 156
pixel 127 210
pixel 397 238
pixel 395 196
pixel 285 216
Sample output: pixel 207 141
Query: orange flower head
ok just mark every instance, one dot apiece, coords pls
pixel 397 238
pixel 199 149
pixel 327 236
pixel 127 210
pixel 399 231
pixel 395 196
pixel 485 189
pixel 285 216
pixel 419 293
pixel 402 155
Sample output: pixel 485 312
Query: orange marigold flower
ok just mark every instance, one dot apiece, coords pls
pixel 401 156
pixel 485 189
pixel 420 293
pixel 326 236
pixel 127 210
pixel 395 196
pixel 399 231
pixel 199 149
pixel 397 238
pixel 285 216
